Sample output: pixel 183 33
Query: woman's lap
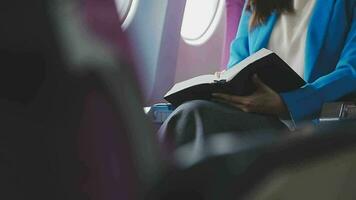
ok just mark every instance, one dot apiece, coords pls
pixel 197 119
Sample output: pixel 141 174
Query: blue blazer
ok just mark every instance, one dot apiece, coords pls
pixel 330 59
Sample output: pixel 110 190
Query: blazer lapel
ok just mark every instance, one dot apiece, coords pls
pixel 261 34
pixel 316 34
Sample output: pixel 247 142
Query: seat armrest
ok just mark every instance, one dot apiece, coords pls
pixel 158 113
pixel 337 111
pixel 344 109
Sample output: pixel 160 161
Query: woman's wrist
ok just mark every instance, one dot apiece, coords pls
pixel 282 109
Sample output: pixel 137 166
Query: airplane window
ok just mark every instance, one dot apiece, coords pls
pixel 126 9
pixel 200 19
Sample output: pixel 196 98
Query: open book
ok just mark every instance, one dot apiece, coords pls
pixel 237 80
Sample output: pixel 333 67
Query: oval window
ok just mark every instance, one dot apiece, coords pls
pixel 126 10
pixel 200 19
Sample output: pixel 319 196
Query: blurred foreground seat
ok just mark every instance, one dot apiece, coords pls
pixel 308 164
pixel 72 127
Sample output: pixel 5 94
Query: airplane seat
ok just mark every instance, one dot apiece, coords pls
pixel 75 136
pixel 320 166
pixel 118 156
pixel 309 164
pixel 344 109
pixel 24 157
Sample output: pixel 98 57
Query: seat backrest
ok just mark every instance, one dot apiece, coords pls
pixel 116 141
pixel 308 164
pixel 329 177
pixel 322 166
pixel 81 133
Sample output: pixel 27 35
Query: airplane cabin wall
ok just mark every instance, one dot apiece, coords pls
pixel 201 59
pixel 162 55
pixel 154 33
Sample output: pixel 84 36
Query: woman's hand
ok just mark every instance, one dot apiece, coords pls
pixel 264 100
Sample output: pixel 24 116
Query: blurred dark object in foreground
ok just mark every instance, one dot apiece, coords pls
pixel 65 129
pixel 308 164
pixel 25 50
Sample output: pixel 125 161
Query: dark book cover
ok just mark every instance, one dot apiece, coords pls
pixel 269 67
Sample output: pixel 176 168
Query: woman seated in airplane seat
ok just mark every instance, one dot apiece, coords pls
pixel 317 38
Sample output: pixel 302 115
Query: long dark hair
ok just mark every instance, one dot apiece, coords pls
pixel 262 9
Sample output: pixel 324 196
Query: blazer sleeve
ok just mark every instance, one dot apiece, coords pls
pixel 308 100
pixel 239 49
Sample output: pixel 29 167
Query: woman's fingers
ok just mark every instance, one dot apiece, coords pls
pixel 230 98
pixel 245 104
pixel 238 106
pixel 263 100
pixel 259 83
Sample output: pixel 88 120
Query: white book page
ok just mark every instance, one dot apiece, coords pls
pixel 203 79
pixel 231 73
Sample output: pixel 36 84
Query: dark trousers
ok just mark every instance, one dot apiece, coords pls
pixel 195 120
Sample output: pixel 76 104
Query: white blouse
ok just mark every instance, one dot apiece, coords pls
pixel 288 38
